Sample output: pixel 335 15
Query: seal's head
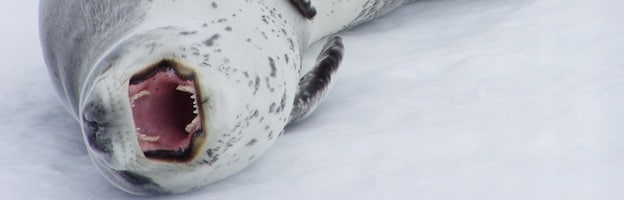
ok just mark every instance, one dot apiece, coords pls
pixel 171 110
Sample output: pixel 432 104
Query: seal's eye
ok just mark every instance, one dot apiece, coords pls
pixel 166 113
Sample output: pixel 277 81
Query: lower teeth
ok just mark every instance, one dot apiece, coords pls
pixel 146 138
pixel 190 127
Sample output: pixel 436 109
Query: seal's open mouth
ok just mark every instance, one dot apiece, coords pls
pixel 166 113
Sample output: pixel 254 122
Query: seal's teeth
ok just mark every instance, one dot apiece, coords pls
pixel 189 128
pixel 146 138
pixel 138 96
pixel 186 88
pixel 195 110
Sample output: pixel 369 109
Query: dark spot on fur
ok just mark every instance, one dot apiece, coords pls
pixel 264 35
pixel 272 108
pixel 257 85
pixel 270 136
pixel 273 68
pixel 282 104
pixel 252 142
pixel 291 44
pixel 210 41
pixel 188 32
pixel 265 19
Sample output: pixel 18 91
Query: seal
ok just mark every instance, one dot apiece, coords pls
pixel 174 95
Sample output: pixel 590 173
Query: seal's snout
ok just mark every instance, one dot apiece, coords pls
pixel 166 112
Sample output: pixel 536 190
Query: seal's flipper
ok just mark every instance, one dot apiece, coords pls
pixel 314 85
pixel 304 6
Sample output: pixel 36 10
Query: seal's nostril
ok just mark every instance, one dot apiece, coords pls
pixel 93 131
pixel 94 123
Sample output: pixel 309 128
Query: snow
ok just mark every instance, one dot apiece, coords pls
pixel 442 99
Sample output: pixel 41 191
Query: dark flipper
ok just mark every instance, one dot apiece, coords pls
pixel 304 6
pixel 314 85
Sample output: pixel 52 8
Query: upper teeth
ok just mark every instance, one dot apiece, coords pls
pixel 186 88
pixel 138 96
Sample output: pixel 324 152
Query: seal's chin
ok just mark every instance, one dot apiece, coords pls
pixel 166 114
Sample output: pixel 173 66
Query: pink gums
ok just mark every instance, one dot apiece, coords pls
pixel 162 112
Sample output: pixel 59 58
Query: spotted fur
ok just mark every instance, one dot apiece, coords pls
pixel 246 57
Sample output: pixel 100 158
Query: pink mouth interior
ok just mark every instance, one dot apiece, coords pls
pixel 164 108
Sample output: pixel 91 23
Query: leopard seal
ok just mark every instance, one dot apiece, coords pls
pixel 173 95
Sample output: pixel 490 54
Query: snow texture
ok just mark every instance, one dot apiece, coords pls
pixel 442 99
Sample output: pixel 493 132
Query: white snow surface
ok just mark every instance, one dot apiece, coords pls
pixel 441 99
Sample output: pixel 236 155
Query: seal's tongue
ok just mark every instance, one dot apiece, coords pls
pixel 165 112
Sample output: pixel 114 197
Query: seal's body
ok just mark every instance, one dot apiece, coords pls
pixel 174 95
